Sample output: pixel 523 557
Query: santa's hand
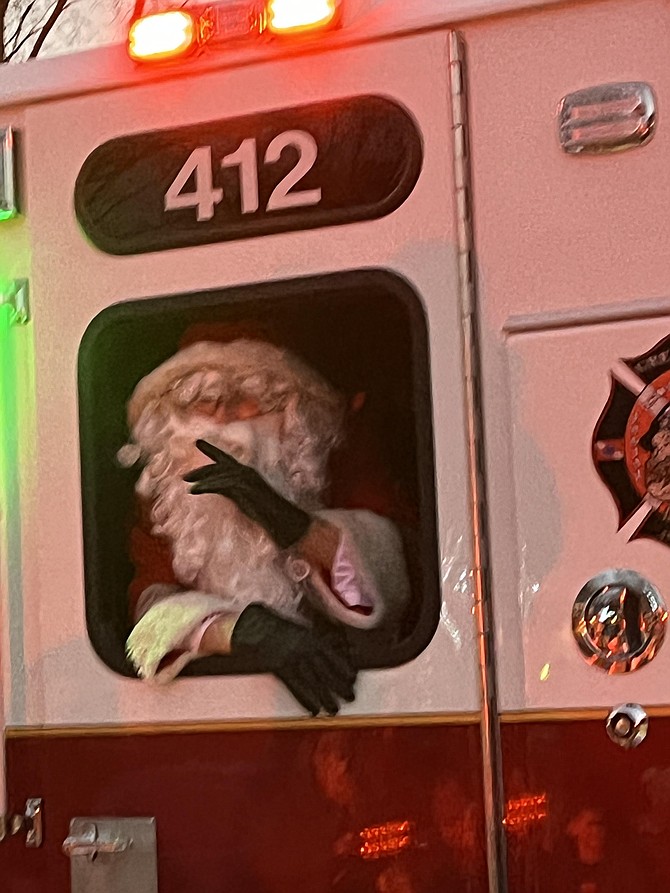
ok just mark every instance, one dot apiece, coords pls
pixel 282 520
pixel 316 675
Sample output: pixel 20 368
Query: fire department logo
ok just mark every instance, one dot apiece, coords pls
pixel 631 443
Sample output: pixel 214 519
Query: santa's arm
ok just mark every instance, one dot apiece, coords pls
pixel 352 562
pixel 317 675
pixel 350 554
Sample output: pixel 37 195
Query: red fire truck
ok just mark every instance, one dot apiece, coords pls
pixel 334 431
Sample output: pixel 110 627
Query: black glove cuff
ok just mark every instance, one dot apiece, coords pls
pixel 290 526
pixel 251 628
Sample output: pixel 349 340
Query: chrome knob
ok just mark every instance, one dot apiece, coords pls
pixel 627 725
pixel 618 620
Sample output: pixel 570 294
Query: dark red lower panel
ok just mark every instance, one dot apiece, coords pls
pixel 378 810
pixel 585 816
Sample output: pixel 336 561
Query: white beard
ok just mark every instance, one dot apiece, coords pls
pixel 216 549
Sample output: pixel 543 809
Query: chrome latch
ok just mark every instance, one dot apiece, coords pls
pixel 30 823
pixel 113 854
pixel 607 118
pixel 15 295
pixel 85 839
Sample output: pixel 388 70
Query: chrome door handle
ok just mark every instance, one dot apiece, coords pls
pixel 619 621
pixel 87 842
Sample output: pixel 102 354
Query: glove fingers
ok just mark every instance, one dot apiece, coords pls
pixel 220 482
pixel 217 455
pixel 303 690
pixel 213 473
pixel 338 664
pixel 309 688
pixel 199 474
pixel 211 485
pixel 330 703
pixel 320 684
pixel 341 684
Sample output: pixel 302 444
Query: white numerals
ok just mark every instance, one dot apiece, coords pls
pixel 307 152
pixel 245 159
pixel 206 196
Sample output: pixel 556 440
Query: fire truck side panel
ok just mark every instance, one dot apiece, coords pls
pixel 71 282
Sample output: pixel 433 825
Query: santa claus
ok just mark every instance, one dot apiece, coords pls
pixel 235 441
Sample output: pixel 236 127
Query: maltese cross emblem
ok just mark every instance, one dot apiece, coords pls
pixel 631 443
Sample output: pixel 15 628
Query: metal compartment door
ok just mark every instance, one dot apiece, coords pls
pixel 574 301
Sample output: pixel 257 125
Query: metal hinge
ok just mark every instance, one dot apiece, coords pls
pixel 483 609
pixel 30 823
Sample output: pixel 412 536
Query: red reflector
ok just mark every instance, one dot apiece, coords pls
pixel 386 840
pixel 525 811
pixel 162 35
pixel 300 15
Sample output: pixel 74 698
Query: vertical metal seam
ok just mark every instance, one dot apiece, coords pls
pixel 490 723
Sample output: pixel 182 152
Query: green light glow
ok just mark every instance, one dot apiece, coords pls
pixel 7 375
pixel 17 457
pixel 17 440
pixel 8 421
pixel 17 402
pixel 7 215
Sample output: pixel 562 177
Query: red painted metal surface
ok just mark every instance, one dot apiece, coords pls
pixel 377 810
pixel 606 818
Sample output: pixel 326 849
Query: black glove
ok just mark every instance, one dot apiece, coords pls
pixel 281 519
pixel 313 671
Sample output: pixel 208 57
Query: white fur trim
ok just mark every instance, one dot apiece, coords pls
pixel 241 358
pixel 164 628
pixel 374 548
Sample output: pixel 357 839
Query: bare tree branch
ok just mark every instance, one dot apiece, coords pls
pixel 12 39
pixel 58 8
pixel 29 28
pixel 3 13
pixel 22 40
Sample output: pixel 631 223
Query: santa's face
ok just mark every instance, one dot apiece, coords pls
pixel 249 436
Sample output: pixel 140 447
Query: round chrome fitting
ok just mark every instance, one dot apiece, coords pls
pixel 627 725
pixel 618 620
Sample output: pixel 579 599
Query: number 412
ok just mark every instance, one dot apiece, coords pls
pixel 206 196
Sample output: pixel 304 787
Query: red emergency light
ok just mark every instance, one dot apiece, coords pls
pixel 289 16
pixel 161 36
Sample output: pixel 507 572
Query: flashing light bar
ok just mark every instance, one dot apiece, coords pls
pixel 173 33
